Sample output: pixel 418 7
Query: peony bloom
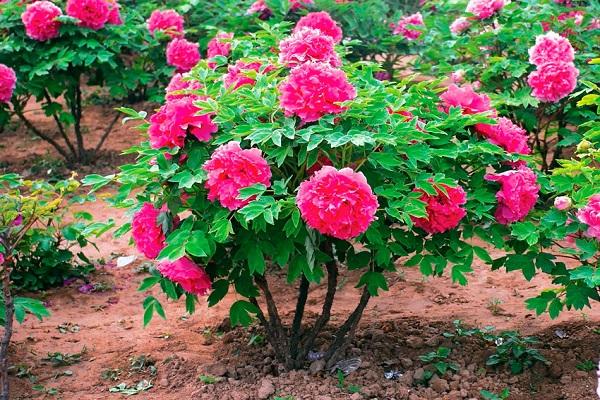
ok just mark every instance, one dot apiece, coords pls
pixel 551 47
pixel 40 20
pixel 1 258
pixel 167 21
pixel 553 81
pixel 232 168
pixel 178 83
pixel 403 26
pixel 517 196
pixel 192 278
pixel 174 120
pixel 466 98
pixel 337 203
pixel 220 45
pixel 457 76
pixel 562 203
pixel 114 15
pixel 182 54
pixel 8 83
pixel 260 7
pixel 460 25
pixel 444 210
pixel 590 215
pixel 147 231
pixel 237 74
pixel 483 9
pixel 313 90
pixel 92 14
pixel 507 135
pixel 305 45
pixel 321 21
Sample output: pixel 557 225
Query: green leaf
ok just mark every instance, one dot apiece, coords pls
pixel 149 282
pixel 526 231
pixel 256 260
pixel 151 306
pixel 219 290
pixel 240 311
pixel 198 245
pixel 374 281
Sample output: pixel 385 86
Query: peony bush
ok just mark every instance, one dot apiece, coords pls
pixel 310 168
pixel 531 59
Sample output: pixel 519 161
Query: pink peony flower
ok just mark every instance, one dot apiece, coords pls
pixel 507 135
pixel 457 76
pixel 220 45
pixel 260 7
pixel 237 74
pixel 230 169
pixel 174 120
pixel 313 90
pixel 444 211
pixel 114 15
pixel 167 21
pixel 1 258
pixel 323 22
pixel 182 54
pixel 92 14
pixel 337 203
pixel 590 215
pixel 40 20
pixel 551 47
pixel 305 45
pixel 517 196
pixel 553 81
pixel 8 83
pixel 192 278
pixel 178 83
pixel 147 232
pixel 562 203
pixel 466 98
pixel 460 25
pixel 403 26
pixel 483 9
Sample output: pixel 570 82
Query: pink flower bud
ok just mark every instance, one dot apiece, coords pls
pixel 562 203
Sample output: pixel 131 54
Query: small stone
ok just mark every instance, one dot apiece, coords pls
pixel 419 374
pixel 407 378
pixel 438 384
pixel 164 382
pixel 555 371
pixel 316 367
pixel 266 389
pixel 453 395
pixel 356 396
pixel 566 379
pixel 406 362
pixel 414 342
pixel 581 374
pixel 216 369
pixel 513 380
pixel 433 341
pixel 464 393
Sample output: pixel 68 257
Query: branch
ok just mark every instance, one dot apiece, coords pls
pixel 61 129
pixel 275 320
pixel 299 313
pixel 42 135
pixel 106 133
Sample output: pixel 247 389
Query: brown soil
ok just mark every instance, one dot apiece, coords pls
pixel 398 327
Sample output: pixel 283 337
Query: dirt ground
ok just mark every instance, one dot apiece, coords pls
pixel 201 357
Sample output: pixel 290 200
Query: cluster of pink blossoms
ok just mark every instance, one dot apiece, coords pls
pixel 232 168
pixel 260 7
pixel 460 25
pixel 466 98
pixel 94 14
pixel 507 135
pixel 337 203
pixel 182 54
pixel 444 210
pixel 590 215
pixel 220 45
pixel 8 83
pixel 313 90
pixel 403 26
pixel 308 44
pixel 147 232
pixel 556 75
pixel 483 9
pixel 192 278
pixel 237 74
pixel 323 22
pixel 518 194
pixel 40 17
pixel 167 21
pixel 170 126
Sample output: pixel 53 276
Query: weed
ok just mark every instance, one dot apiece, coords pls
pixel 494 305
pixel 256 340
pixel 127 390
pixel 111 374
pixel 45 390
pixel 503 395
pixel 23 371
pixel 439 360
pixel 59 359
pixel 342 383
pixel 587 365
pixel 143 365
pixel 514 351
pixel 207 379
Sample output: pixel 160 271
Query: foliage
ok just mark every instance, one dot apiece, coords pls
pixel 515 352
pixel 123 60
pixel 494 52
pixel 439 360
pixel 503 395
